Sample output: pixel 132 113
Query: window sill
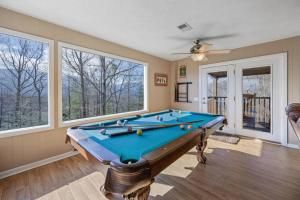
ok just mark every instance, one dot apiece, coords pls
pixel 100 118
pixel 23 131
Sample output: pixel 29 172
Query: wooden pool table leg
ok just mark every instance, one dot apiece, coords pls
pixel 104 192
pixel 200 149
pixel 140 194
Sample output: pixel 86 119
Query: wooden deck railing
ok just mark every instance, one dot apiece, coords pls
pixel 217 105
pixel 255 109
pixel 259 108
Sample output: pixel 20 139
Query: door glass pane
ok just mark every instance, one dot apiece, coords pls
pixel 217 92
pixel 257 98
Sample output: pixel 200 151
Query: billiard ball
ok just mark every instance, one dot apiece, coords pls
pixel 182 126
pixel 171 114
pixel 157 117
pixel 102 131
pixel 139 132
pixel 129 129
pixel 119 123
pixel 179 111
pixel 161 119
pixel 190 126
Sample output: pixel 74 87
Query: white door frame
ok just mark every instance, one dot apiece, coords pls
pixel 279 59
pixel 230 93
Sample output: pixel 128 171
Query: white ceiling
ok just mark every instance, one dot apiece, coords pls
pixel 151 25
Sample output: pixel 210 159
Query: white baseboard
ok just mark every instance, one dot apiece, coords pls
pixel 39 163
pixel 294 146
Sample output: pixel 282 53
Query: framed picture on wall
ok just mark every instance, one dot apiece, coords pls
pixel 160 79
pixel 181 72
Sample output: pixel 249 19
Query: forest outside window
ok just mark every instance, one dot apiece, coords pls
pixel 24 74
pixel 95 84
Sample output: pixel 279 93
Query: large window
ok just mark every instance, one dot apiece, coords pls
pixel 94 84
pixel 24 65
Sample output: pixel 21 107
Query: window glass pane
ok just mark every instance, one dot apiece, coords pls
pixel 95 85
pixel 23 82
pixel 217 92
pixel 257 98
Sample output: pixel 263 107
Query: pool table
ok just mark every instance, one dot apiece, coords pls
pixel 133 159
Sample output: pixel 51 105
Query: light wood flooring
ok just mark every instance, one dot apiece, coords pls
pixel 250 170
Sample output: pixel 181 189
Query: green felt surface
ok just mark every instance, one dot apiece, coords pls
pixel 132 146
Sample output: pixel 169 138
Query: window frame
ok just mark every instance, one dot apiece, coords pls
pixel 50 125
pixel 68 123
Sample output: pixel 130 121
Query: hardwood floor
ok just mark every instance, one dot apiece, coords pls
pixel 250 170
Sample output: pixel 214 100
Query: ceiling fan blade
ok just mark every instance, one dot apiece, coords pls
pixel 202 39
pixel 205 46
pixel 181 53
pixel 223 51
pixel 208 38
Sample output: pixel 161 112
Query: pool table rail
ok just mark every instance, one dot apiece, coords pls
pixel 89 149
pixel 214 122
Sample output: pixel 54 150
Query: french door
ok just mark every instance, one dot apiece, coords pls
pixel 250 93
pixel 218 93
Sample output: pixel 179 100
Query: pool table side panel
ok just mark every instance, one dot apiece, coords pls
pixel 81 150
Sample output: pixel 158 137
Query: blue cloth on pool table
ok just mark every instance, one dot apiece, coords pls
pixel 132 146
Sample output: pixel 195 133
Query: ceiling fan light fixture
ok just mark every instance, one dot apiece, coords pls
pixel 198 56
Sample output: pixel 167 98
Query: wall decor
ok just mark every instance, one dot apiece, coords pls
pixel 160 79
pixel 181 72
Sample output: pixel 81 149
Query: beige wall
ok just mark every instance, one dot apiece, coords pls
pixel 20 150
pixel 290 45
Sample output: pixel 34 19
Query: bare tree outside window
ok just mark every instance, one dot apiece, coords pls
pixel 23 82
pixel 95 85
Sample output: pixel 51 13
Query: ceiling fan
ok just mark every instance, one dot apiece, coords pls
pixel 201 49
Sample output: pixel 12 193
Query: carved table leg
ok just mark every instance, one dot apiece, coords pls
pixel 141 194
pixel 104 192
pixel 200 150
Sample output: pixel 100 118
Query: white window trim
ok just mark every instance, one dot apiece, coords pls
pixel 50 125
pixel 68 123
